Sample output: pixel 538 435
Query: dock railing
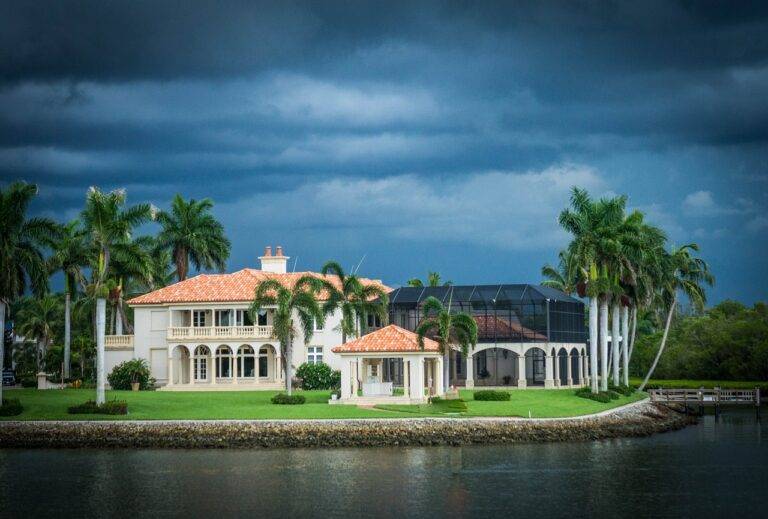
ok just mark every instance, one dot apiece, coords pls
pixel 707 397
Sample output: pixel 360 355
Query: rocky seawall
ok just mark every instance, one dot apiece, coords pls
pixel 637 420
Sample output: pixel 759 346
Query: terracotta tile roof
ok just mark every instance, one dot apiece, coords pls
pixel 388 339
pixel 489 327
pixel 217 288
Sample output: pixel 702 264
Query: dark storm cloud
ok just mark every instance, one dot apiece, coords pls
pixel 261 103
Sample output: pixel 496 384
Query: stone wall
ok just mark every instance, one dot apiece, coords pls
pixel 638 420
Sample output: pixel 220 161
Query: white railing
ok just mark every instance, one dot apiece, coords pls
pixel 180 333
pixel 377 388
pixel 118 341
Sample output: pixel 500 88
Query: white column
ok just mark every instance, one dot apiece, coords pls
pixel 170 371
pixel 548 371
pixel 470 382
pixel 234 367
pixel 522 382
pixel 346 379
pixel 603 343
pixel 556 364
pixel 439 371
pixel 406 377
pixel 192 369
pixel 355 375
pixel 625 345
pixel 417 378
pixel 580 369
pixel 568 373
pixel 212 369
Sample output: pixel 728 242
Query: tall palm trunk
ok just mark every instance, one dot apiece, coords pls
pixel 447 370
pixel 634 331
pixel 615 341
pixel 604 343
pixel 663 343
pixel 2 347
pixel 625 345
pixel 287 354
pixel 101 311
pixel 593 313
pixel 67 332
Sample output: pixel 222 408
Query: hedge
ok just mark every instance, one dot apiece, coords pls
pixel 11 407
pixel 134 370
pixel 91 407
pixel 318 376
pixel 283 399
pixel 602 396
pixel 491 395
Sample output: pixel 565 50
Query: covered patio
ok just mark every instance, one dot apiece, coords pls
pixel 388 366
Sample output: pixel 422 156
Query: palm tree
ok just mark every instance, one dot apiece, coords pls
pixel 448 329
pixel 37 320
pixel 565 276
pixel 301 301
pixel 108 225
pixel 354 299
pixel 683 273
pixel 192 233
pixel 433 280
pixel 70 255
pixel 22 264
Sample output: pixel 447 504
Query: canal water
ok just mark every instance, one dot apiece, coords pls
pixel 714 469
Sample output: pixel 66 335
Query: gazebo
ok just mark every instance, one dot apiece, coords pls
pixel 374 364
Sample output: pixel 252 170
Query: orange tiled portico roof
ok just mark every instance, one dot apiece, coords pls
pixel 390 339
pixel 236 287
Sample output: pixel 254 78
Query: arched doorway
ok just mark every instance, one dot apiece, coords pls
pixel 246 360
pixel 535 370
pixel 201 363
pixel 180 365
pixel 267 356
pixel 562 363
pixel 575 371
pixel 224 362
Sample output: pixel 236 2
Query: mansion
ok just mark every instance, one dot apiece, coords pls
pixel 197 334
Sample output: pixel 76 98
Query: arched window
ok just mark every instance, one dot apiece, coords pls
pixel 265 353
pixel 247 361
pixel 201 362
pixel 224 362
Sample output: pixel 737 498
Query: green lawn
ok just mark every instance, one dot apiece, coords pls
pixel 541 403
pixel 696 384
pixel 166 405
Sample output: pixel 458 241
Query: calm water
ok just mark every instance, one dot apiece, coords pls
pixel 711 470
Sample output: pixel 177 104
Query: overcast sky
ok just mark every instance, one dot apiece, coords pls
pixel 421 135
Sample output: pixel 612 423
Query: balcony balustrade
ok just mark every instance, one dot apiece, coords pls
pixel 118 341
pixel 184 333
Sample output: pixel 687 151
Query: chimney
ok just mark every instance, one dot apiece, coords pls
pixel 277 263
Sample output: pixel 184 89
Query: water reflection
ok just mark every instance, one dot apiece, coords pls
pixel 714 469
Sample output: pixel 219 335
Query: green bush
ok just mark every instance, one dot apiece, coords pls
pixel 28 382
pixel 622 390
pixel 134 370
pixel 91 407
pixel 602 396
pixel 283 399
pixel 491 395
pixel 456 405
pixel 318 376
pixel 11 407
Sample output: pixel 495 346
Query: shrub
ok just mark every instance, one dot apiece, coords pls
pixel 134 370
pixel 28 382
pixel 623 390
pixel 456 405
pixel 91 407
pixel 602 396
pixel 284 399
pixel 491 395
pixel 11 407
pixel 318 376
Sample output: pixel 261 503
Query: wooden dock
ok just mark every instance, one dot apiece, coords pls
pixel 702 398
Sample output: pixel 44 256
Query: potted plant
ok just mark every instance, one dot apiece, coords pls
pixel 135 384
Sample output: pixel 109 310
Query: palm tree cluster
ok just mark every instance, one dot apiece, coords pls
pixel 101 260
pixel 304 307
pixel 623 265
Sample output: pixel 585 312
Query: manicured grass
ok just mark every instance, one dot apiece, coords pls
pixel 696 384
pixel 542 403
pixel 256 405
pixel 168 405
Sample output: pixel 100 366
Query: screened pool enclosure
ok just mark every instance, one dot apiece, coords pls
pixel 527 334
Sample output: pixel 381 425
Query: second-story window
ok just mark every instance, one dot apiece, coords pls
pixel 374 321
pixel 243 318
pixel 262 317
pixel 198 318
pixel 222 318
pixel 318 326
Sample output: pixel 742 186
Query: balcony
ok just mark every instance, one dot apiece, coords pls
pixel 185 333
pixel 118 342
